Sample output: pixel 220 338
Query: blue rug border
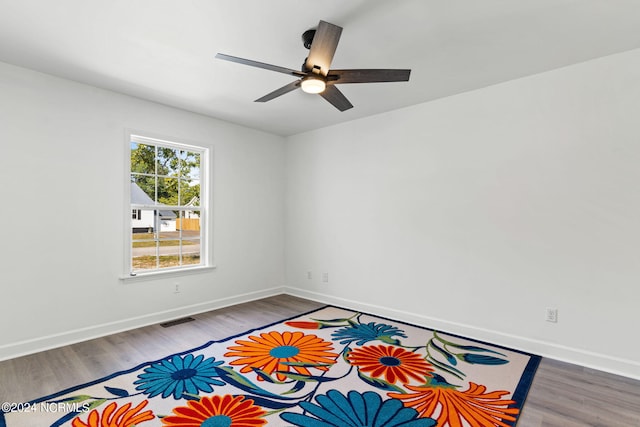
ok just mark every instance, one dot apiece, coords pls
pixel 519 394
pixel 526 380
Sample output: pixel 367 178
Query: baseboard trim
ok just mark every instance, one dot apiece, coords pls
pixel 602 362
pixel 618 366
pixel 23 348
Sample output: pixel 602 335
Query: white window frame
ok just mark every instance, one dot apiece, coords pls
pixel 206 252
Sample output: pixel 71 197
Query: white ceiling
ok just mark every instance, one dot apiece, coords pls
pixel 163 50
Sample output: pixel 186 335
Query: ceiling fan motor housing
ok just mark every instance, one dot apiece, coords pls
pixel 307 38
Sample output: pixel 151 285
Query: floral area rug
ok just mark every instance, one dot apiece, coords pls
pixel 329 367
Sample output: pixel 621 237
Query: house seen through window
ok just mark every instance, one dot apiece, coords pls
pixel 167 211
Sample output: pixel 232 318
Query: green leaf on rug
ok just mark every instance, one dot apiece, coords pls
pixel 380 383
pixel 73 399
pixel 117 391
pixel 481 359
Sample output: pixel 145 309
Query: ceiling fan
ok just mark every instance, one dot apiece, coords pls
pixel 316 76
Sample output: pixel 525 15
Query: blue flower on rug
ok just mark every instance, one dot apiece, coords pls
pixel 363 333
pixel 356 410
pixel 182 377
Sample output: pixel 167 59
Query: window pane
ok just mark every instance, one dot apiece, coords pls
pixel 168 239
pixel 189 193
pixel 191 164
pixel 169 261
pixel 168 189
pixel 143 158
pixel 142 223
pixel 143 239
pixel 189 224
pixel 191 252
pixel 147 189
pixel 143 242
pixel 168 161
pixel 191 176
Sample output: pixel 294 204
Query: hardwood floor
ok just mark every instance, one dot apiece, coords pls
pixel 561 395
pixel 569 395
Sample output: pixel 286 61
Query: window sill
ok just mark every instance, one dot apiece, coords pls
pixel 168 273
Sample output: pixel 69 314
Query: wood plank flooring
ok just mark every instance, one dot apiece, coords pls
pixel 562 395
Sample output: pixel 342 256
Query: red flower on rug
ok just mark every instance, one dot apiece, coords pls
pixel 474 405
pixel 395 364
pixel 304 324
pixel 123 417
pixel 272 352
pixel 217 411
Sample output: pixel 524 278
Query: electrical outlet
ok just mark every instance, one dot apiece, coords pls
pixel 176 288
pixel 325 277
pixel 552 315
pixel 309 275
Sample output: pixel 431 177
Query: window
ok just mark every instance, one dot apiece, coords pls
pixel 168 209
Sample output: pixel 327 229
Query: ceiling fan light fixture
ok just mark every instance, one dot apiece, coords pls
pixel 312 84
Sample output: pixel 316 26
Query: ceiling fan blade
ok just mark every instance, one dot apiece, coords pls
pixel 278 92
pixel 260 65
pixel 336 98
pixel 323 47
pixel 367 76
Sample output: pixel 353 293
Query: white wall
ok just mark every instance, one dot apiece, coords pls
pixel 471 213
pixel 62 166
pixel 476 212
